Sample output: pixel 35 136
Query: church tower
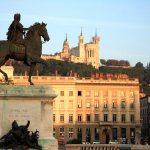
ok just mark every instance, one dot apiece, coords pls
pixel 96 40
pixel 92 52
pixel 66 47
pixel 81 47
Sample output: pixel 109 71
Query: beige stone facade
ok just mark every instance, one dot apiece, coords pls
pixel 87 53
pixel 9 70
pixel 93 109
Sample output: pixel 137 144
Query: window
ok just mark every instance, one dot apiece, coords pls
pixel 132 118
pixel 88 103
pixel 54 118
pixel 114 104
pixel 132 103
pixel 123 104
pixel 70 129
pixel 88 93
pixel 79 134
pixel 88 135
pixel 79 93
pixel 61 104
pixel 105 104
pixel 88 117
pixel 70 93
pixel 96 103
pixel 70 132
pixel 114 117
pixel 79 118
pixel 54 132
pixel 70 135
pixel 132 135
pixel 61 93
pixel 96 118
pixel 61 130
pixel 105 117
pixel 114 133
pixel 96 137
pixel 61 118
pixel 70 104
pixel 123 132
pixel 70 118
pixel 123 117
pixel 79 103
pixel 96 93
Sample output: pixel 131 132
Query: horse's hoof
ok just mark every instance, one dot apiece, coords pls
pixel 31 83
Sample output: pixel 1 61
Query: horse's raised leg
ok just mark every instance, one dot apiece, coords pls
pixel 5 75
pixel 32 66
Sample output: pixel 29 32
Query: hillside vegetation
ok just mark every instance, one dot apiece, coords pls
pixel 64 68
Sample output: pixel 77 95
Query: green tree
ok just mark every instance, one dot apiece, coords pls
pixel 103 61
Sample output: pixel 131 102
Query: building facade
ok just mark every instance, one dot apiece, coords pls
pixel 87 53
pixel 93 110
pixel 145 118
pixel 9 71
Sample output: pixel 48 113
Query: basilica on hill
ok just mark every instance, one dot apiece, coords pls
pixel 87 53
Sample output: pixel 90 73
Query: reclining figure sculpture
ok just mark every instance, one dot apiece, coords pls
pixel 19 137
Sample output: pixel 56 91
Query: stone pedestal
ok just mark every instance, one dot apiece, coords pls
pixel 34 103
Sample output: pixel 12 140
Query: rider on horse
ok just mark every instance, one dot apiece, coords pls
pixel 15 34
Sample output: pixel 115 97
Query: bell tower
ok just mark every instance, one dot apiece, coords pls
pixel 81 47
pixel 66 47
pixel 96 40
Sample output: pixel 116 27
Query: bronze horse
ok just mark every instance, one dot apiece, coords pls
pixel 9 50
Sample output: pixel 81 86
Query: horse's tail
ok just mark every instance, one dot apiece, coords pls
pixel 4 52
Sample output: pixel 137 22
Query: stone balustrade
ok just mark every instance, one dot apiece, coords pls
pixel 92 147
pixel 41 79
pixel 106 147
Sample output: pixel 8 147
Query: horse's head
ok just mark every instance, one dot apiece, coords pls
pixel 43 32
pixel 39 29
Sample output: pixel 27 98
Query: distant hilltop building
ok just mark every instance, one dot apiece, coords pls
pixel 87 53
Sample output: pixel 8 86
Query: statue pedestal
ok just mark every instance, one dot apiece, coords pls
pixel 34 103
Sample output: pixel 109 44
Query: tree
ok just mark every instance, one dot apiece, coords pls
pixel 103 61
pixel 139 65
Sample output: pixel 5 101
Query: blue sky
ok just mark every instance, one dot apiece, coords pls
pixel 123 25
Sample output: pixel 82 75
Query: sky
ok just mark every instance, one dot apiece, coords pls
pixel 122 25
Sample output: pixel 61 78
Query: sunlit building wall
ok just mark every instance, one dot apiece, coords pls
pixel 93 109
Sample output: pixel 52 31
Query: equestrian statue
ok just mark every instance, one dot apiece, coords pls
pixel 22 46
